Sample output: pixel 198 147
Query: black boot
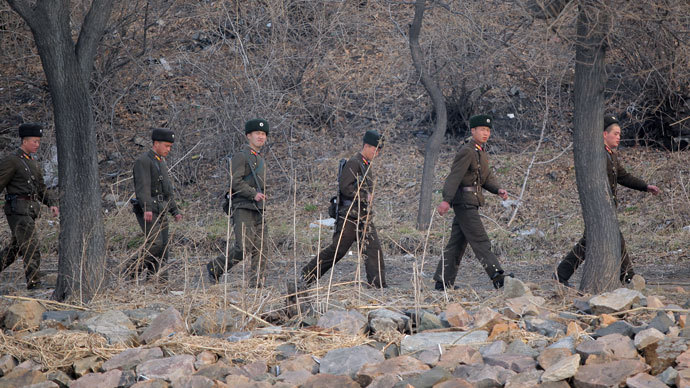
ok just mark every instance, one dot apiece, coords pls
pixel 561 280
pixel 499 277
pixel 439 286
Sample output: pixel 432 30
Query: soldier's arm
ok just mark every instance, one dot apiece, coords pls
pixel 46 195
pixel 348 179
pixel 239 170
pixel 628 180
pixel 491 183
pixel 142 183
pixel 457 171
pixel 172 205
pixel 7 170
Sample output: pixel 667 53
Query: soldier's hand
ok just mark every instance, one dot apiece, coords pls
pixel 55 211
pixel 259 197
pixel 178 217
pixel 148 216
pixel 503 194
pixel 443 208
pixel 653 189
pixel 370 198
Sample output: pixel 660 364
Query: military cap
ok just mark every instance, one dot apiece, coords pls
pixel 373 138
pixel 163 134
pixel 31 130
pixel 609 120
pixel 256 125
pixel 480 121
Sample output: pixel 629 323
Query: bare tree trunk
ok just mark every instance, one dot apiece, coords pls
pixel 601 226
pixel 434 143
pixel 68 69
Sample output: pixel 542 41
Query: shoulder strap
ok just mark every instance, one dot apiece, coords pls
pixel 33 178
pixel 258 186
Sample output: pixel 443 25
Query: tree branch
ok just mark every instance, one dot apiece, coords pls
pixel 91 33
pixel 24 10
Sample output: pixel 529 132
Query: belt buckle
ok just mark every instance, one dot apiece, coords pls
pixel 160 197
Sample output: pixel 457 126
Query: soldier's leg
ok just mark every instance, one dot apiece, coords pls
pixel 160 249
pixel 373 262
pixel 243 223
pixel 447 268
pixel 342 240
pixel 256 248
pixel 571 261
pixel 154 246
pixel 473 229
pixel 627 271
pixel 9 254
pixel 27 241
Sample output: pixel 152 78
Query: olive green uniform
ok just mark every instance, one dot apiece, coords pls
pixel 248 178
pixel 469 174
pixel 355 223
pixel 154 193
pixel 616 174
pixel 22 177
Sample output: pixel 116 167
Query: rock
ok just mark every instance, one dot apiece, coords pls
pixel 193 382
pixel 682 319
pixel 255 370
pixel 647 337
pixel 301 362
pixel 214 323
pixel 64 318
pixel 654 302
pixel 29 365
pixel 459 354
pixel 582 306
pixel 331 381
pixel 514 288
pixel 610 374
pixel 618 327
pixel 169 368
pixel 217 371
pixel 429 356
pixel 483 375
pixel 501 328
pixel 663 353
pixel 23 315
pixel 668 376
pixel 458 317
pixel 428 321
pixel 485 318
pixel 528 379
pixel 413 343
pixel 544 327
pixel 286 351
pixel 205 358
pixel 607 319
pixel 114 326
pixel 239 336
pixel 7 363
pixel 45 384
pixel 399 366
pixel 683 360
pixel 155 383
pixel 297 377
pixel 638 283
pixel 661 322
pixel 573 329
pixel 110 379
pixel 496 347
pixel 59 377
pixel 565 342
pixel 550 356
pixel 348 361
pixel 144 316
pixel 683 379
pixel 351 322
pixel 516 362
pixel 131 358
pixel 427 378
pixel 164 325
pixel 644 380
pixel 87 365
pixel 523 306
pixel 391 351
pixel 619 346
pixel 563 369
pixel 519 347
pixel 20 377
pixel 454 383
pixel 617 300
pixel 401 321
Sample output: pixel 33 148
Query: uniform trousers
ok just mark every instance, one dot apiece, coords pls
pixel 576 256
pixel 155 244
pixel 24 243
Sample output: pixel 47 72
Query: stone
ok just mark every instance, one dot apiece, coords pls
pixel 155 383
pixel 614 301
pixel 429 356
pixel 551 356
pixel 428 321
pixel 87 365
pixel 486 318
pixel 301 362
pixel 391 350
pixel 668 376
pixel 286 351
pixel 683 379
pixel 501 328
pixel 382 325
pixel 618 327
pixel 607 319
pixel 544 327
pixel 564 368
pixel 565 342
pixel 573 329
pixel 45 384
pixel 683 360
pixel 523 306
pixel 529 379
pixel 164 325
pixel 331 381
pixel 348 361
pixel 401 321
pixel 638 283
pixel 132 357
pixel 427 378
pixel 554 384
pixel 193 382
pixel 23 315
pixel 619 346
pixel 110 379
pixel 20 377
pixel 59 377
pixel 516 362
pixel 399 365
pixel 582 306
pixel 413 343
pixel 255 370
pixel 647 337
pixel 7 363
pixel 216 322
pixel 238 336
pixel 169 368
pixel 205 358
pixel 454 383
pixel 351 322
pixel 514 288
pixel 654 302
pixel 496 347
pixel 663 353
pixel 217 371
pixel 682 319
pixel 483 375
pixel 519 347
pixel 295 377
pixel 460 354
pixel 63 317
pixel 661 322
pixel 458 317
pixel 610 374
pixel 644 380
pixel 590 348
pixel 114 326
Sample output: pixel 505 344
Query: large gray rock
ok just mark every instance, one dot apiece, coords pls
pixel 430 378
pixel 169 368
pixel 110 379
pixel 516 362
pixel 348 361
pixel 403 365
pixel 63 317
pixel 7 363
pixel 528 379
pixel 668 376
pixel 351 322
pixel 428 321
pixel 24 315
pixel 551 356
pixel 297 377
pixel 131 358
pixel 165 324
pixel 519 347
pixel 619 346
pixel 514 288
pixel 565 342
pixel 20 377
pixel 458 317
pixel 523 306
pixel 459 354
pixel 331 381
pixel 648 337
pixel 644 380
pixel 544 327
pixel 413 343
pixel 483 375
pixel 661 322
pixel 496 347
pixel 214 323
pixel 663 354
pixel 400 321
pixel 301 362
pixel 114 326
pixel 610 374
pixel 563 369
pixel 618 327
pixel 617 300
pixel 193 382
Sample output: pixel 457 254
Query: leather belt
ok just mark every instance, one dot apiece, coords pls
pixel 32 197
pixel 469 188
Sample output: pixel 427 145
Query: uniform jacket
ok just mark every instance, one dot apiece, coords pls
pixel 470 169
pixel 618 175
pixel 244 186
pixel 21 176
pixel 356 175
pixel 152 184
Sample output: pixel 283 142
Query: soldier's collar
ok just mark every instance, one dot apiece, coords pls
pixel 25 155
pixel 477 146
pixel 608 149
pixel 156 156
pixel 364 160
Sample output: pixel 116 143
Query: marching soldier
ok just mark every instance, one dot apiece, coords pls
pixel 354 221
pixel 154 198
pixel 248 199
pixel 616 175
pixel 21 175
pixel 469 174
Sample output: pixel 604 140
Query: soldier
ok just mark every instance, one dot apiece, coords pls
pixel 469 174
pixel 248 199
pixel 355 221
pixel 616 175
pixel 154 197
pixel 22 177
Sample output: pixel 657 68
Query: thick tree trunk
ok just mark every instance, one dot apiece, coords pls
pixel 434 143
pixel 603 243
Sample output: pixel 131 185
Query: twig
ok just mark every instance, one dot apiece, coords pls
pixel 46 301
